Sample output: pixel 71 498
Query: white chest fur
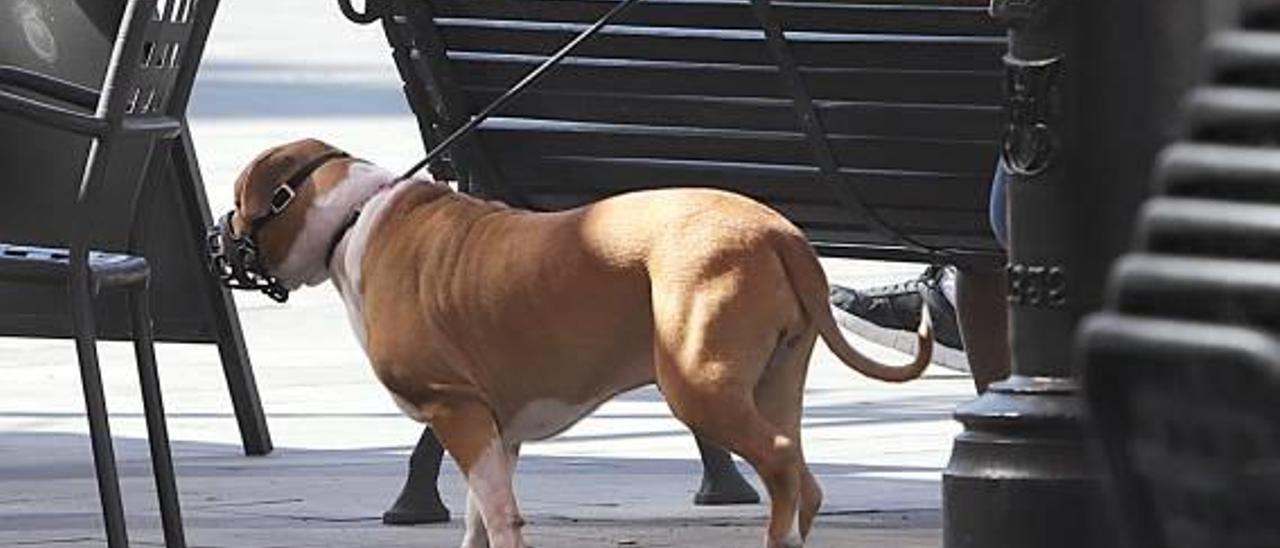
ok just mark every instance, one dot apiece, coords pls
pixel 349 254
pixel 347 276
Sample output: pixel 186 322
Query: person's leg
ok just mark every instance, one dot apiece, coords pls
pixel 982 308
pixel 998 210
pixel 982 300
pixel 889 315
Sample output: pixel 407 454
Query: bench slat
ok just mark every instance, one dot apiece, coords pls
pixel 514 138
pixel 902 52
pixel 900 189
pixel 937 228
pixel 946 122
pixel 477 71
pixel 794 16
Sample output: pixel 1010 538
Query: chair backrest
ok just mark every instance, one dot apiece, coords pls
pixel 687 93
pixel 150 74
pixel 42 166
pixel 155 57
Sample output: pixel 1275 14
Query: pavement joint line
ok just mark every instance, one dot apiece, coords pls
pixel 47 542
pixel 241 504
pixel 873 511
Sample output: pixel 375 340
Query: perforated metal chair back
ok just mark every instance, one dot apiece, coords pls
pixel 163 75
pixel 143 96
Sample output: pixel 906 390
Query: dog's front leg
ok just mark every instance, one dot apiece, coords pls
pixel 468 432
pixel 477 536
pixel 491 501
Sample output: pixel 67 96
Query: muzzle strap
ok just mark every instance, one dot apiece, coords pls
pixel 238 264
pixel 237 260
pixel 283 195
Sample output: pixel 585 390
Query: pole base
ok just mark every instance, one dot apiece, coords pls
pixel 1020 474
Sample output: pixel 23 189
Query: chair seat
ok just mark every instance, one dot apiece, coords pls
pixel 53 265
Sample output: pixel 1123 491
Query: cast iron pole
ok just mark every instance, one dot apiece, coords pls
pixel 1091 86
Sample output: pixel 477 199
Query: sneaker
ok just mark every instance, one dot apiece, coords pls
pixel 889 315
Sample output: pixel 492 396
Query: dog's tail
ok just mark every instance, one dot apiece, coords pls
pixel 810 285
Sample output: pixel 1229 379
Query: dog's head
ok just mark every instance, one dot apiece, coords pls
pixel 292 205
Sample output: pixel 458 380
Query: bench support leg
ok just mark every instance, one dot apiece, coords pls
pixel 419 501
pixel 722 483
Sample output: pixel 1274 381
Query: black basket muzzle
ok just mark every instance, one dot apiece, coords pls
pixel 237 262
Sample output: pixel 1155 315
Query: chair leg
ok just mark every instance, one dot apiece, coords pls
pixel 236 367
pixel 104 459
pixel 157 433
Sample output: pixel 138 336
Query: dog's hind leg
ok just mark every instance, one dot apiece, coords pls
pixel 467 430
pixel 713 349
pixel 780 398
pixel 776 457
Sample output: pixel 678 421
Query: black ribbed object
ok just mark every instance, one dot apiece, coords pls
pixel 1182 371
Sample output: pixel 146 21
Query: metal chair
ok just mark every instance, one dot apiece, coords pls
pixel 156 49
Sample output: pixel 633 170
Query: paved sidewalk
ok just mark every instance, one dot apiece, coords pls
pixel 623 477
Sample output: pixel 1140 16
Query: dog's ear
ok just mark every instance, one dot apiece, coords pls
pixel 259 180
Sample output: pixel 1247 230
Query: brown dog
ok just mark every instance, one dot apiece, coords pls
pixel 497 325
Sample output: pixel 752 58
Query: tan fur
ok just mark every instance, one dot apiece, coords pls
pixel 474 311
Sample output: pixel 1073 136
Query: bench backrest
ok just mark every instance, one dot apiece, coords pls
pixel 687 93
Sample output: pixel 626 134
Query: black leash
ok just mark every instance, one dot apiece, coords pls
pixel 517 89
pixel 844 189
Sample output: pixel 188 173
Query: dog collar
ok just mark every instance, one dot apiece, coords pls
pixel 342 233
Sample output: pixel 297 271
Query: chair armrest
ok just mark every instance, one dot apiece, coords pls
pixel 49 115
pixel 46 85
pixel 152 126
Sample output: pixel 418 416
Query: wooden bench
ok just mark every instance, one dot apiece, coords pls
pixel 873 126
pixel 909 94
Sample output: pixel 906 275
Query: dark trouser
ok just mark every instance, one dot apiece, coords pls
pixel 982 307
